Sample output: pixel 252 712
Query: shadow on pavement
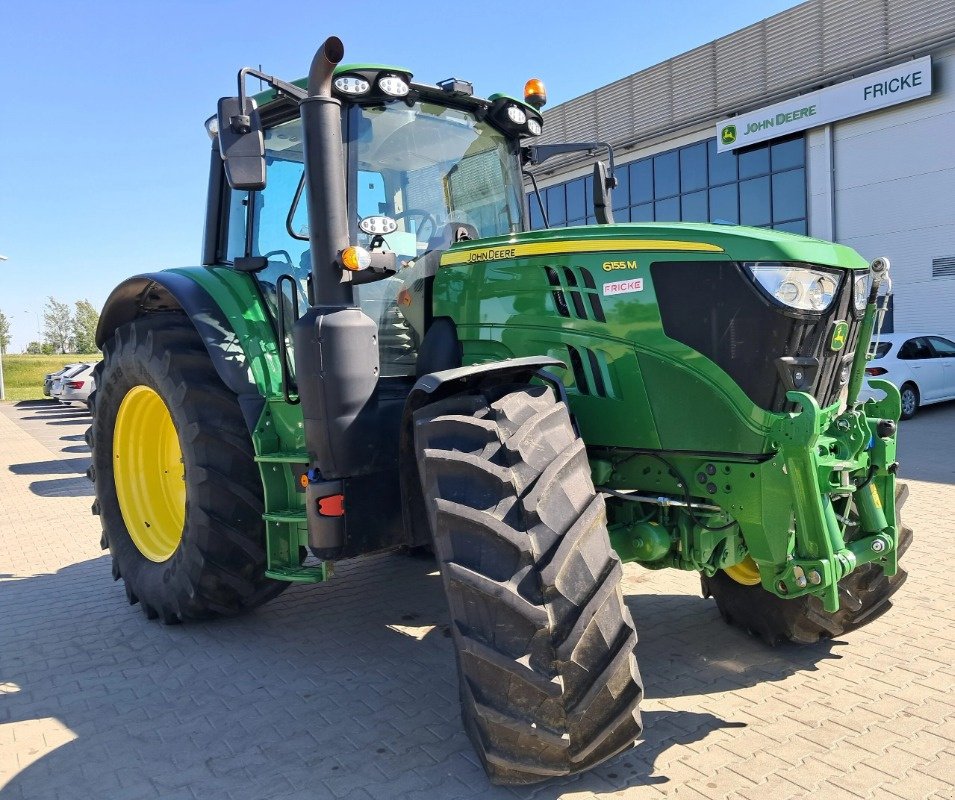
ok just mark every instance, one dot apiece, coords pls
pixel 926 443
pixel 346 685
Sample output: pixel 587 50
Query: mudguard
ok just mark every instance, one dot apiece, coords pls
pixel 435 386
pixel 159 292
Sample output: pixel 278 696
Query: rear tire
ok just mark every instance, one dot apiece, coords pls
pixel 864 595
pixel 218 565
pixel 548 680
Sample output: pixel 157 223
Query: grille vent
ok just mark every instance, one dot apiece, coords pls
pixel 591 375
pixel 943 267
pixel 575 293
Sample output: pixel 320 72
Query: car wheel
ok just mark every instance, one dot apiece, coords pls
pixel 910 400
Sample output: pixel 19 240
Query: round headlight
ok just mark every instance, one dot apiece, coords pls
pixel 351 84
pixel 821 291
pixel 534 127
pixel 516 115
pixel 788 292
pixel 393 85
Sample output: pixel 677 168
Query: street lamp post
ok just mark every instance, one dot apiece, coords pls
pixel 3 395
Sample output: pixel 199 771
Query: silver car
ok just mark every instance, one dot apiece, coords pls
pixel 56 387
pixel 78 386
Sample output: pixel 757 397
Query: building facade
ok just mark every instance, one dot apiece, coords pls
pixel 834 119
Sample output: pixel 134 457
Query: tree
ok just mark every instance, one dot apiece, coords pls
pixel 84 327
pixel 57 326
pixel 4 333
pixel 35 348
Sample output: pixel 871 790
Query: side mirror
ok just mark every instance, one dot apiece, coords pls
pixel 603 207
pixel 242 143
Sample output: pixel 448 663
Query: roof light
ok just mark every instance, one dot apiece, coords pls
pixel 355 258
pixel 534 127
pixel 516 115
pixel 351 84
pixel 535 94
pixel 393 85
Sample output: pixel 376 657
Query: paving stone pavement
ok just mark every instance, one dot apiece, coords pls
pixel 347 690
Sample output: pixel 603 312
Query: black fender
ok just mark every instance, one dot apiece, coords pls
pixel 436 386
pixel 166 292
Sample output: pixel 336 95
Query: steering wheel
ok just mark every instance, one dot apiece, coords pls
pixel 422 218
pixel 284 253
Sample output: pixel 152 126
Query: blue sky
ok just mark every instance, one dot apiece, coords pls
pixel 104 157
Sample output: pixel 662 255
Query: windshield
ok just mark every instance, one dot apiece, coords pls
pixel 426 166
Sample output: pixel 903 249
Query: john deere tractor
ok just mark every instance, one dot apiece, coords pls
pixel 377 352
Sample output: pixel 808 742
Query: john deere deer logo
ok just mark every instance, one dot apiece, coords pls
pixel 728 134
pixel 839 333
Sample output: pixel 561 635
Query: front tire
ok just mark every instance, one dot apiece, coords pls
pixel 864 595
pixel 548 680
pixel 910 400
pixel 177 488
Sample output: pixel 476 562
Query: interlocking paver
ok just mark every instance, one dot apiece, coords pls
pixel 349 689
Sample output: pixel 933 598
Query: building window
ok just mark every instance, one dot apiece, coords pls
pixel 763 186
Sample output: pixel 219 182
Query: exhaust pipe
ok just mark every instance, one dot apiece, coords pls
pixel 336 349
pixel 325 177
pixel 328 56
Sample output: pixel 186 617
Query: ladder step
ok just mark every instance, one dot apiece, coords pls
pixel 283 457
pixel 310 574
pixel 290 515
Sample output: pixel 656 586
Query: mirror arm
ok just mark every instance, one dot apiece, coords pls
pixel 241 123
pixel 537 194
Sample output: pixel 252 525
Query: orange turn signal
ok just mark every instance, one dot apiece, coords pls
pixel 355 258
pixel 534 93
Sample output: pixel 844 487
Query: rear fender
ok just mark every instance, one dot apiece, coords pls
pixel 227 312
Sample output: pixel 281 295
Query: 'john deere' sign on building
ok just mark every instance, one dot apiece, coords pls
pixel 887 87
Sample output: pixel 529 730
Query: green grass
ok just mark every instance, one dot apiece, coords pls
pixel 23 374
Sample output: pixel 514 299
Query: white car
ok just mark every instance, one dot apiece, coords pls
pixel 922 365
pixel 56 387
pixel 78 386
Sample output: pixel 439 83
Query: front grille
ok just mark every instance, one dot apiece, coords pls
pixel 715 309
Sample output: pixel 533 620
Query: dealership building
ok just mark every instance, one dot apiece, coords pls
pixel 834 119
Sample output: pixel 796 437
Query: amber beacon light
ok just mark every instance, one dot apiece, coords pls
pixel 534 93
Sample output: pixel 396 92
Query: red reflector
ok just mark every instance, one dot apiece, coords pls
pixel 75 385
pixel 332 506
pixel 873 371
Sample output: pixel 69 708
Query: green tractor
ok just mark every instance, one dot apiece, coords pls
pixel 379 353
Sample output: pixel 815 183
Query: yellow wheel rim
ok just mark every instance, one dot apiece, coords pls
pixel 149 473
pixel 746 572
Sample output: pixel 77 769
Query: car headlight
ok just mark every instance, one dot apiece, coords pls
pixel 795 285
pixel 861 292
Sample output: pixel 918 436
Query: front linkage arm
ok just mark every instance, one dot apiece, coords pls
pixel 830 456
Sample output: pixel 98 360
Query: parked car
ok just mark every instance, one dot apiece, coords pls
pixel 922 365
pixel 52 376
pixel 56 388
pixel 78 387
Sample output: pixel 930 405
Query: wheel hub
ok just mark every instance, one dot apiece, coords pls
pixel 746 572
pixel 149 473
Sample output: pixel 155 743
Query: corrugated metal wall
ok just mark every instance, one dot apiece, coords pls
pixel 792 52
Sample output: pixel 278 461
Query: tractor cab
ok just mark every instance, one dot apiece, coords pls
pixel 426 167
